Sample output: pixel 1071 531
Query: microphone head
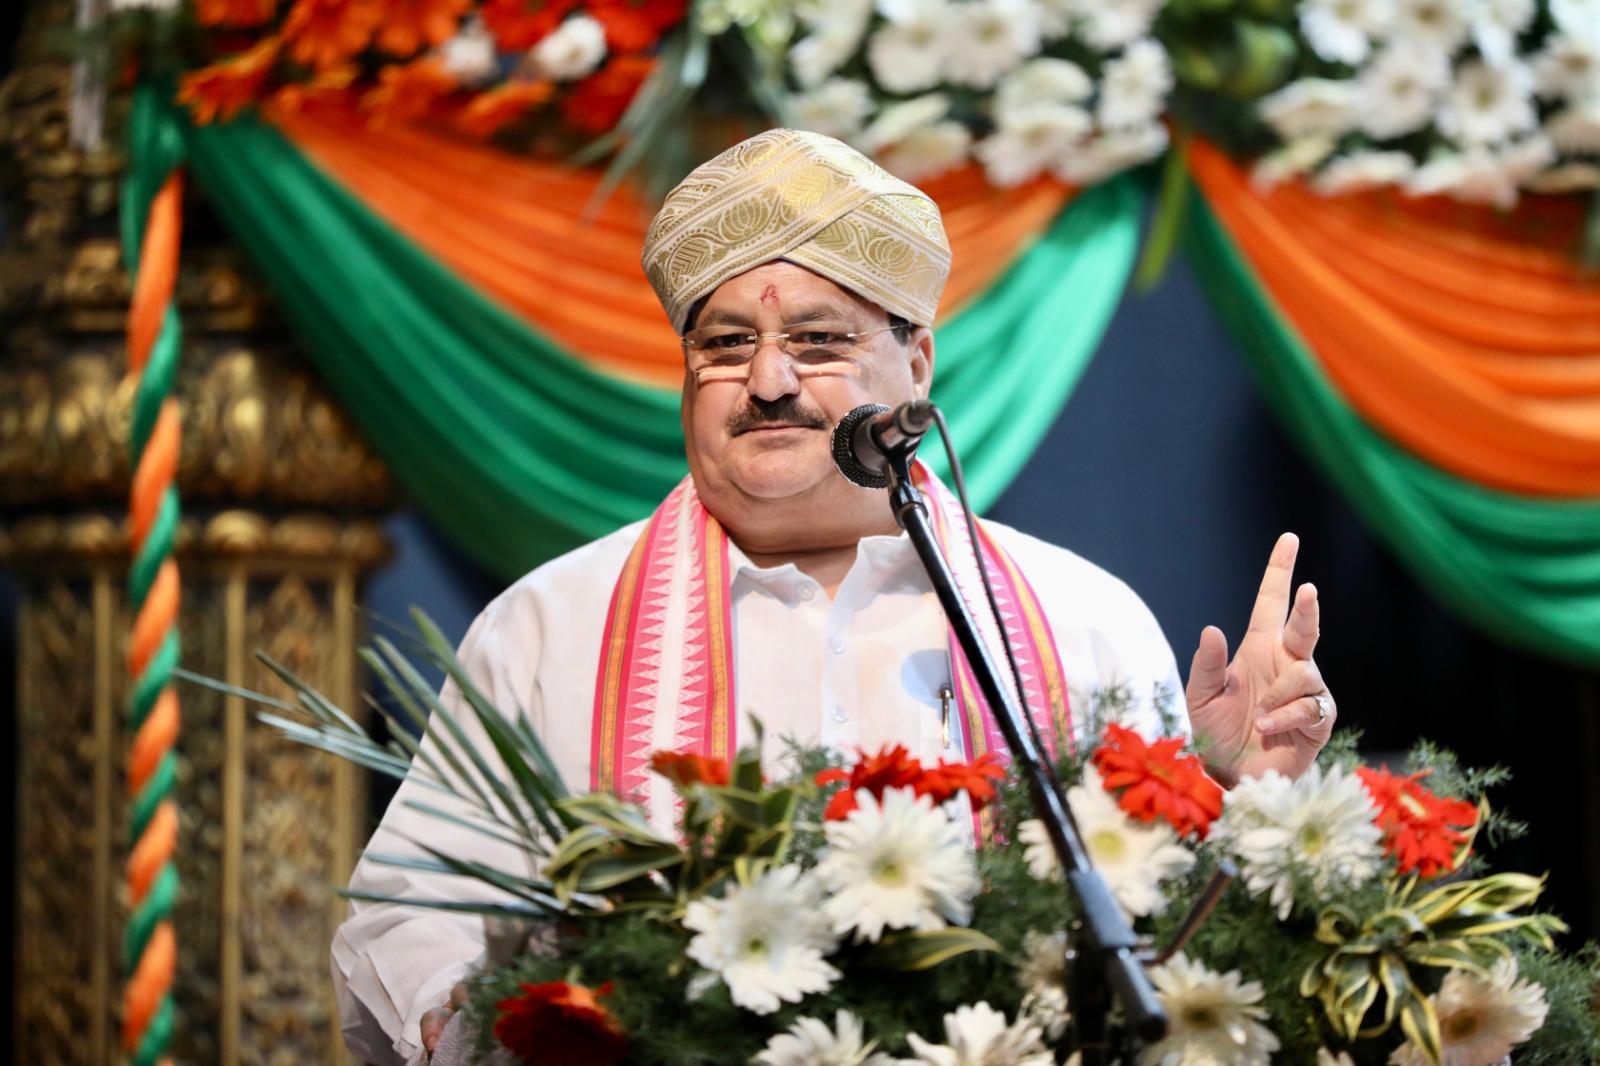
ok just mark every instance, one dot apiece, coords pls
pixel 844 448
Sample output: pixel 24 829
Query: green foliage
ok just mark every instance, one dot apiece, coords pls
pixel 1570 1035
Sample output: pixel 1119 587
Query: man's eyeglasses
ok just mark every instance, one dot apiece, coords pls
pixel 725 353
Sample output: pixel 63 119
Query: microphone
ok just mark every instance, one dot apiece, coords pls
pixel 868 436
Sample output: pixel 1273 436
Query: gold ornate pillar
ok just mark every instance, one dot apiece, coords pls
pixel 281 501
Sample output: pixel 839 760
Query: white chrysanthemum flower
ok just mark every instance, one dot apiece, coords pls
pixel 1320 826
pixel 1292 160
pixel 898 121
pixel 1360 171
pixel 1031 140
pixel 1111 153
pixel 993 36
pixel 1041 81
pixel 1569 177
pixel 1481 1021
pixel 1569 67
pixel 898 863
pixel 809 1042
pixel 149 5
pixel 1133 86
pixel 1343 30
pixel 1057 17
pixel 1044 979
pixel 838 107
pixel 1488 104
pixel 1576 129
pixel 1401 88
pixel 1311 106
pixel 1440 24
pixel 928 152
pixel 1580 17
pixel 1211 1017
pixel 767 940
pixel 1328 1058
pixel 469 56
pixel 979 1036
pixel 1496 25
pixel 1111 24
pixel 1481 176
pixel 574 50
pixel 831 43
pixel 1133 857
pixel 910 53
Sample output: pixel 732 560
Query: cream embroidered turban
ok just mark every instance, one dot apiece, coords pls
pixel 806 198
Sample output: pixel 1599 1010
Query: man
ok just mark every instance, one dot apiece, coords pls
pixel 803 280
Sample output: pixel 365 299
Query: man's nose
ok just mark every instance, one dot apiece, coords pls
pixel 772 375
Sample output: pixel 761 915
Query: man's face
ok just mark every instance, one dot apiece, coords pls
pixel 768 439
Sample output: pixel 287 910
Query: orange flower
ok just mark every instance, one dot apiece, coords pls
pixel 407 93
pixel 598 101
pixel 1424 831
pixel 1158 781
pixel 519 24
pixel 560 1024
pixel 890 768
pixel 329 88
pixel 410 25
pixel 684 768
pixel 323 34
pixel 235 12
pixel 222 89
pixel 976 778
pixel 636 25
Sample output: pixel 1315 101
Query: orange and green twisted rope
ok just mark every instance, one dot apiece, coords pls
pixel 150 946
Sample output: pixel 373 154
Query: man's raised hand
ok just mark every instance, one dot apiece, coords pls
pixel 1268 709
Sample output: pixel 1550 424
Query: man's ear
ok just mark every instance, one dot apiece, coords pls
pixel 920 352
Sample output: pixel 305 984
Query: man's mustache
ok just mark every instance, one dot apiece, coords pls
pixel 788 411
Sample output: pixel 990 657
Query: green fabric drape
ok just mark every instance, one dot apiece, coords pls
pixel 518 451
pixel 1523 569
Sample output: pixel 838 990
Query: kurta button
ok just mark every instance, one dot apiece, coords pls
pixel 837 644
pixel 807 591
pixel 839 715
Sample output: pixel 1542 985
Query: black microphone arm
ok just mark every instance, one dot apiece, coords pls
pixel 1103 953
pixel 867 438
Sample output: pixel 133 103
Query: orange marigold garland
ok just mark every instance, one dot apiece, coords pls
pixel 1426 833
pixel 1157 780
pixel 411 25
pixel 560 1024
pixel 326 33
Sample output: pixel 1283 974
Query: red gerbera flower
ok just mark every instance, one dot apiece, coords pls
pixel 890 768
pixel 636 25
pixel 598 101
pixel 1424 831
pixel 976 778
pixel 520 24
pixel 411 25
pixel 684 769
pixel 1158 781
pixel 559 1024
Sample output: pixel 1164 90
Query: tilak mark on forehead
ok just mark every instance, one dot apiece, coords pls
pixel 770 296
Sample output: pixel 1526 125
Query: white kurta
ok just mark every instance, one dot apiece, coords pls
pixel 861 670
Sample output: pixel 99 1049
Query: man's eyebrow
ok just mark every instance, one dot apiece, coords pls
pixel 820 313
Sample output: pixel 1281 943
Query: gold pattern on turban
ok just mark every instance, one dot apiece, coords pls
pixel 811 200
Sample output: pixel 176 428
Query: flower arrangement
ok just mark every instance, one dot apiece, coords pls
pixel 1475 99
pixel 842 914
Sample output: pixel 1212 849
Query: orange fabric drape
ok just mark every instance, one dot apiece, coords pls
pixel 514 228
pixel 1470 338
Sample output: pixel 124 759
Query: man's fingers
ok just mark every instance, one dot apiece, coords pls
pixel 1291 702
pixel 1272 601
pixel 433 1023
pixel 1208 672
pixel 1304 625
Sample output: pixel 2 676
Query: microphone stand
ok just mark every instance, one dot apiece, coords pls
pixel 1102 952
